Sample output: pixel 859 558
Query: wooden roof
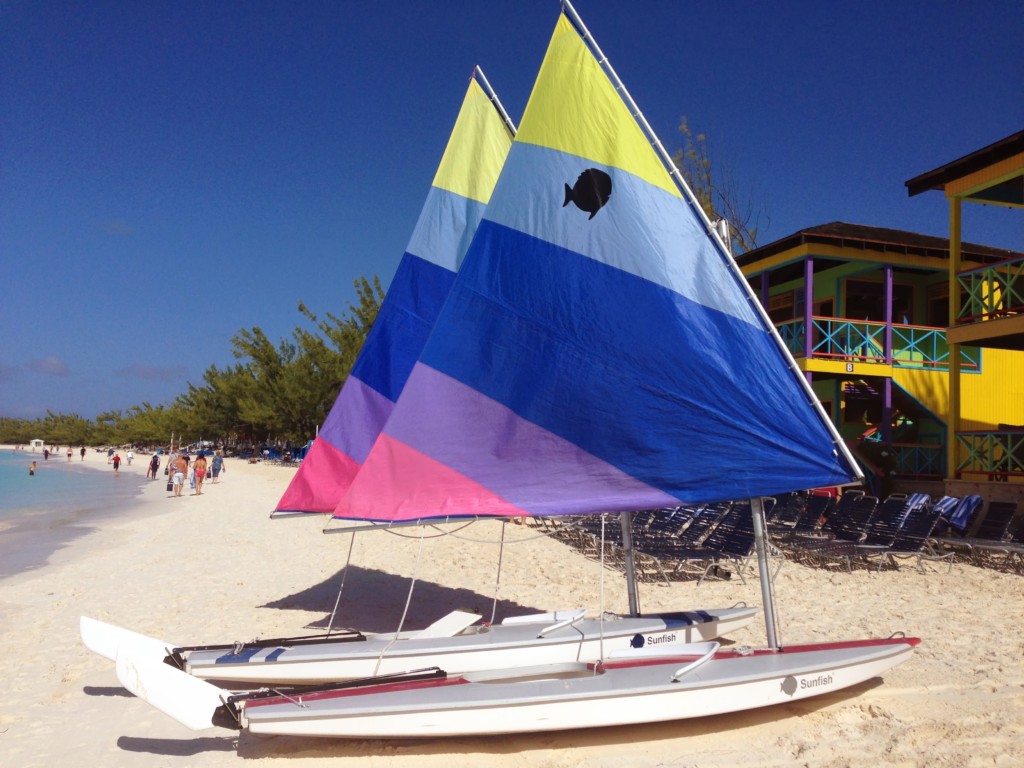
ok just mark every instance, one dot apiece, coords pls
pixel 859 237
pixel 1008 192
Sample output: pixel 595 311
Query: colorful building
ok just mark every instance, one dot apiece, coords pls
pixel 923 401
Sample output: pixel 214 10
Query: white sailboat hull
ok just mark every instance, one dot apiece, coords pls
pixel 475 648
pixel 568 696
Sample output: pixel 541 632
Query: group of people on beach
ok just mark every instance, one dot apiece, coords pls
pixel 178 469
pixel 47 453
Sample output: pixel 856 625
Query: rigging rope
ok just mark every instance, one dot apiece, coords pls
pixel 601 599
pixel 341 587
pixel 405 611
pixel 497 582
pixel 455 534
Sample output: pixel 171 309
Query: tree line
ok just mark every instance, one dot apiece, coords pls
pixel 273 393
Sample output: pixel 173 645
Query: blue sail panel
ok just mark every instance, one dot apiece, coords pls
pixel 403 324
pixel 686 399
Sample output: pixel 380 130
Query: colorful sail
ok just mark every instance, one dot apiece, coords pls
pixel 461 188
pixel 598 350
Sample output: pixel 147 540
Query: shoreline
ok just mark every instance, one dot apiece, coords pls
pixel 215 568
pixel 30 537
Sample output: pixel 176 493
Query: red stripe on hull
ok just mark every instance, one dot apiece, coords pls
pixel 789 649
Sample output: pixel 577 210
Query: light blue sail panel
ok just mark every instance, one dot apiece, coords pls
pixel 445 228
pixel 642 229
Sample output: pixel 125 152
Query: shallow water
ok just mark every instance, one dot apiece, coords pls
pixel 42 513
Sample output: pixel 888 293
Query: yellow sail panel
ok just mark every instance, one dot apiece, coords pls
pixel 476 150
pixel 584 115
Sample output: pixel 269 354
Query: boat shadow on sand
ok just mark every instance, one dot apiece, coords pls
pixel 387 595
pixel 255 747
pixel 106 690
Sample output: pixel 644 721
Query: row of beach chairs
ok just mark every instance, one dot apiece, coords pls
pixel 853 530
pixel 997 541
pixel 677 544
pixel 859 529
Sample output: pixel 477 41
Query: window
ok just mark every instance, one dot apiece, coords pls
pixel 865 300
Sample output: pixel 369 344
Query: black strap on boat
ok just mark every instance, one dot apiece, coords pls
pixel 176 657
pixel 427 673
pixel 229 714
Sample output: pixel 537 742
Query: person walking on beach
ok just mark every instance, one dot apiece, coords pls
pixel 217 465
pixel 117 462
pixel 130 456
pixel 110 454
pixel 83 453
pixel 32 469
pixel 69 453
pixel 199 467
pixel 154 466
pixel 179 468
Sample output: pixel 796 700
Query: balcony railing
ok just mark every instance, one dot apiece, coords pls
pixel 996 455
pixel 992 291
pixel 913 346
pixel 922 460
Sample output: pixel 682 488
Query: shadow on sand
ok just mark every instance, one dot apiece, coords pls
pixel 178 747
pixel 386 594
pixel 106 690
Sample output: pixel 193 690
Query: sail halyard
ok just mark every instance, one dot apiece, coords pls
pixel 460 190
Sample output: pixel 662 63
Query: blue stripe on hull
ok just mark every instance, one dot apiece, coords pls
pixel 600 340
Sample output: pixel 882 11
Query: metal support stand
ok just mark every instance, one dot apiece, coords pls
pixel 764 571
pixel 626 519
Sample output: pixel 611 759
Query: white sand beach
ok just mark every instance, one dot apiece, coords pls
pixel 215 568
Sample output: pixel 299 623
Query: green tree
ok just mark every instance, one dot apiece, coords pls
pixel 287 389
pixel 715 191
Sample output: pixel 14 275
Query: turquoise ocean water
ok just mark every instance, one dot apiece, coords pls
pixel 64 500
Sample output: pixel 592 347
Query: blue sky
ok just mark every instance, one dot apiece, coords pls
pixel 173 172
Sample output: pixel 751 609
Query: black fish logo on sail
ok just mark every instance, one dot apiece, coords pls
pixel 591 191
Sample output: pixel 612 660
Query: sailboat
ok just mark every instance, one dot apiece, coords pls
pixel 599 351
pixel 460 640
pixel 459 193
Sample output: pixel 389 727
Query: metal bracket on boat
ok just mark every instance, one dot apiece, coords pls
pixel 898 633
pixel 292 699
pixel 711 651
pixel 560 625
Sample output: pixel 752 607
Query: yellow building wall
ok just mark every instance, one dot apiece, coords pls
pixel 993 397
